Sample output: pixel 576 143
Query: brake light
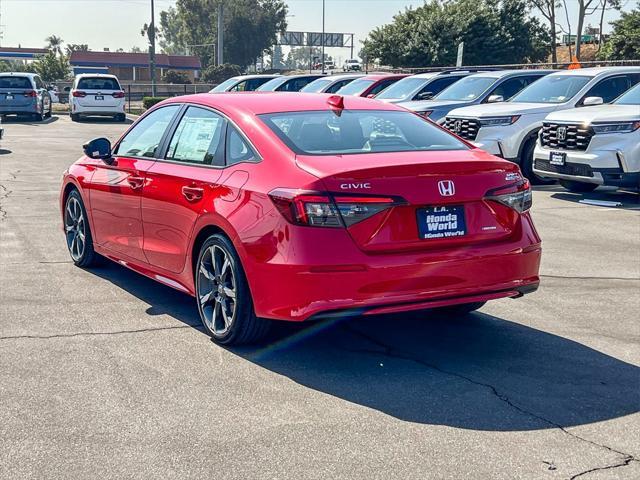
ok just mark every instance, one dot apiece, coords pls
pixel 31 93
pixel 328 210
pixel 118 94
pixel 516 195
pixel 79 93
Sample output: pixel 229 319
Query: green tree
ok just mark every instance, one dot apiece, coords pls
pixel 173 76
pixel 624 42
pixel 277 58
pixel 51 67
pixel 76 47
pixel 219 73
pixel 493 32
pixel 299 58
pixel 250 27
pixel 54 43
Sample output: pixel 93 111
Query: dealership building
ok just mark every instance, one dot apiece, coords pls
pixel 133 66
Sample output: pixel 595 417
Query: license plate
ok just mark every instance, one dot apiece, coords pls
pixel 9 97
pixel 441 222
pixel 99 97
pixel 557 158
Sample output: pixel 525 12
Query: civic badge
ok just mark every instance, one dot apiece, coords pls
pixel 446 188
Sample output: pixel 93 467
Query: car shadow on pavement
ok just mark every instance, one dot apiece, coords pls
pixel 28 121
pixel 101 120
pixel 476 372
pixel 628 198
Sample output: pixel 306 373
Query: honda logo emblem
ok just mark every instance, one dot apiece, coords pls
pixel 457 126
pixel 561 133
pixel 446 188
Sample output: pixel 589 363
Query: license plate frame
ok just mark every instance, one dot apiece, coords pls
pixel 559 159
pixel 99 97
pixel 440 222
pixel 9 96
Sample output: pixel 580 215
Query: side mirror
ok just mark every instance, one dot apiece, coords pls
pixel 67 89
pixel 425 96
pixel 495 99
pixel 98 148
pixel 591 101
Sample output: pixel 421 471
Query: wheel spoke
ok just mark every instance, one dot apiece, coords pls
pixel 225 317
pixel 203 270
pixel 68 228
pixel 230 292
pixel 70 212
pixel 205 298
pixel 214 262
pixel 225 268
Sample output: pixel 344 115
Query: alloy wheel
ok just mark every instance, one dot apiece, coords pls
pixel 217 289
pixel 75 228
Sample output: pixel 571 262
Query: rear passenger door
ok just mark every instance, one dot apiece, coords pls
pixel 182 185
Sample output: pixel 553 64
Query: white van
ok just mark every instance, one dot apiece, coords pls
pixel 96 94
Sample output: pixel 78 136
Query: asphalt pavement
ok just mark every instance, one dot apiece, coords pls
pixel 106 374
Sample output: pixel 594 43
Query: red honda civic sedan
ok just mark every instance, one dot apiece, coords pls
pixel 302 206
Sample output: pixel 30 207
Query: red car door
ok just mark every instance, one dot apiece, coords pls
pixel 182 186
pixel 115 189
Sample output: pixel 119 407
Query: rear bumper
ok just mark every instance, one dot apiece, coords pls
pixel 359 283
pixel 93 110
pixel 19 110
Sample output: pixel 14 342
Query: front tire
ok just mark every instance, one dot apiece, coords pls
pixel 223 297
pixel 78 232
pixel 578 187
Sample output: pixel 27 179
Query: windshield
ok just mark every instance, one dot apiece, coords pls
pixel 16 82
pixel 552 89
pixel 224 86
pixel 358 131
pixel 356 87
pixel 98 83
pixel 317 86
pixel 403 89
pixel 271 84
pixel 632 97
pixel 469 88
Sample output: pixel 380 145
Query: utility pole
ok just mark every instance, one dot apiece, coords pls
pixel 220 33
pixel 322 58
pixel 152 51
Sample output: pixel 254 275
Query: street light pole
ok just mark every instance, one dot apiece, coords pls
pixel 322 58
pixel 152 51
pixel 220 33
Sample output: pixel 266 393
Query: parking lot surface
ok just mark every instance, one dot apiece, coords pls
pixel 106 374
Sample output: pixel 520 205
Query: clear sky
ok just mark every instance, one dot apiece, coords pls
pixel 116 24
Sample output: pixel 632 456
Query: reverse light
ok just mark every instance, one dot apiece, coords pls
pixel 79 93
pixel 516 195
pixel 499 121
pixel 328 210
pixel 617 127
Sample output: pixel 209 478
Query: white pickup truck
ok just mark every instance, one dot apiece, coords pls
pixel 588 147
pixel 510 129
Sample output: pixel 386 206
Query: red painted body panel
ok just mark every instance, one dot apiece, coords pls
pixel 295 272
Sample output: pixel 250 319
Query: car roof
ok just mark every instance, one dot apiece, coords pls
pixel 19 74
pixel 342 76
pixel 510 73
pixel 256 75
pixel 596 71
pixel 383 76
pixel 257 103
pixel 94 75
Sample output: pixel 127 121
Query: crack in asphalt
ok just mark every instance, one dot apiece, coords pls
pixel 390 351
pixel 578 277
pixel 96 334
pixel 4 193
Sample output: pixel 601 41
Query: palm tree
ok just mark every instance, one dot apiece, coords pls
pixel 54 44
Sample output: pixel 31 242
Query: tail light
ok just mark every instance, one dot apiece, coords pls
pixel 118 94
pixel 31 93
pixel 79 93
pixel 517 195
pixel 328 210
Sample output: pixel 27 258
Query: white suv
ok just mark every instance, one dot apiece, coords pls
pixel 588 147
pixel 351 65
pixel 510 129
pixel 96 94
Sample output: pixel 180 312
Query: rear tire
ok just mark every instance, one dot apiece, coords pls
pixel 75 117
pixel 38 117
pixel 578 187
pixel 461 309
pixel 78 231
pixel 121 117
pixel 223 297
pixel 526 164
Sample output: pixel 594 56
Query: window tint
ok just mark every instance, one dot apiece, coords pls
pixel 467 89
pixel 610 88
pixel 381 86
pixel 254 83
pixel 438 85
pixel 222 87
pixel 316 86
pixel 358 131
pixel 295 85
pixel 554 88
pixel 338 85
pixel 509 88
pixel 356 87
pixel 403 88
pixel 143 139
pixel 16 82
pixel 98 83
pixel 631 97
pixel 237 149
pixel 198 138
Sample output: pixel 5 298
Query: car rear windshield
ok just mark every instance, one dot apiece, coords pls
pixel 632 97
pixel 552 89
pixel 98 83
pixel 467 89
pixel 329 132
pixel 403 88
pixel 23 83
pixel 224 86
pixel 356 87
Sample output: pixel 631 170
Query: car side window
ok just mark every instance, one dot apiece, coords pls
pixel 198 138
pixel 39 82
pixel 609 88
pixel 145 136
pixel 510 87
pixel 437 86
pixel 381 86
pixel 337 86
pixel 237 149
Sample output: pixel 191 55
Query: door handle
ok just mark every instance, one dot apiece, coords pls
pixel 192 194
pixel 135 183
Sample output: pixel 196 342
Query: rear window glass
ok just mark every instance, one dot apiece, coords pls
pixel 15 82
pixel 98 83
pixel 358 131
